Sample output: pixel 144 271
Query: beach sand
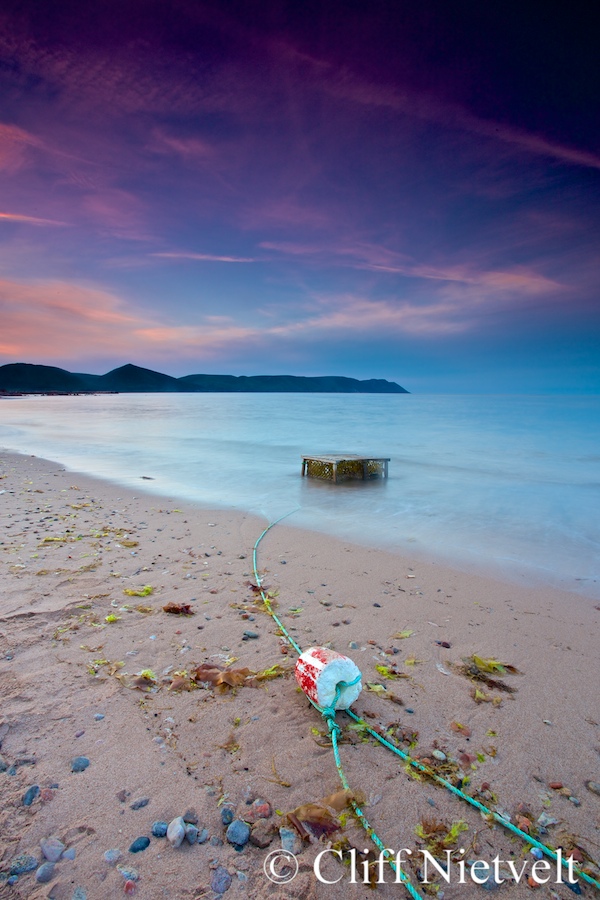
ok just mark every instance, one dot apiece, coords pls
pixel 69 548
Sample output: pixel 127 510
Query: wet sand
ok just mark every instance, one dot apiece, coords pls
pixel 70 546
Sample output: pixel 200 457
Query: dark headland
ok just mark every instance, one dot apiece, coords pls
pixel 27 378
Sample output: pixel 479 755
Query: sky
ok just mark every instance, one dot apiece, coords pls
pixel 400 189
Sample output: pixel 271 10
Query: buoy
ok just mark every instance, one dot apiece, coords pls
pixel 319 671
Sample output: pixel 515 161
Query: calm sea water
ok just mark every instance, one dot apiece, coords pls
pixel 508 484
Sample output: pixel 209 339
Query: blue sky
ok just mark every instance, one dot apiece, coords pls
pixel 379 190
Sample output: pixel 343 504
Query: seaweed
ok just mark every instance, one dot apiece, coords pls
pixel 178 609
pixel 141 592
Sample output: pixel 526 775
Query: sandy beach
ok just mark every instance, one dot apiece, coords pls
pixel 92 666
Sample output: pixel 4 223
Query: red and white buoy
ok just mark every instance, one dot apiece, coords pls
pixel 319 671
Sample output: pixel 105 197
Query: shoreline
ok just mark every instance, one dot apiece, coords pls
pixel 191 748
pixel 509 571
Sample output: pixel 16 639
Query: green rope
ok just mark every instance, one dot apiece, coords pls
pixel 334 729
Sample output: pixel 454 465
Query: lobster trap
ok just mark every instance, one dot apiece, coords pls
pixel 347 467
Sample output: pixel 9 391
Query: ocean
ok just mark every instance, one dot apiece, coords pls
pixel 503 484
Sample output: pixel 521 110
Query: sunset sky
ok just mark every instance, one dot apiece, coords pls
pixel 401 189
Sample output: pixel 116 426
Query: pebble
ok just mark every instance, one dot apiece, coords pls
pixel 262 834
pixel 129 887
pixel 159 829
pixel 227 814
pixel 12 879
pixel 45 873
pixel 575 801
pixel 439 754
pixel 249 636
pixel 30 794
pixel 216 841
pixel 52 849
pixel 191 833
pixel 593 786
pixel 238 833
pixel 408 710
pixel 546 819
pixel 79 734
pixel 112 856
pixel 221 880
pixel 203 836
pixel 139 804
pixel 536 853
pixel 190 816
pixel 98 716
pixel 176 831
pixel 69 854
pixel 79 764
pixel 129 873
pixel 353 645
pixel 259 809
pixel 139 844
pixel 23 863
pixel 290 840
pixel 79 894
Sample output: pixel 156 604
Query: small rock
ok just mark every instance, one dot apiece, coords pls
pixel 575 801
pixel 98 717
pixel 122 795
pixel 216 841
pixel 221 880
pixel 190 817
pixel 30 794
pixel 238 833
pixel 139 844
pixel 203 836
pixel 536 853
pixel 12 879
pixel 439 754
pixel 52 849
pixel 555 785
pixel 3 764
pixel 79 764
pixel 45 873
pixel 260 809
pixel 545 820
pixel 408 710
pixel 176 832
pixel 22 864
pixel 79 894
pixel 290 840
pixel 139 804
pixel 191 833
pixel 227 814
pixel 129 887
pixel 593 786
pixel 353 645
pixel 159 829
pixel 79 733
pixel 112 856
pixel 129 873
pixel 250 636
pixel 262 834
pixel 69 854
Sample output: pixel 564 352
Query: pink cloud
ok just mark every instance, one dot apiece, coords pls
pixel 343 84
pixel 14 145
pixel 204 257
pixel 29 220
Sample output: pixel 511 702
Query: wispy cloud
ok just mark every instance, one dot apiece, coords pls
pixel 29 220
pixel 204 257
pixel 382 259
pixel 427 107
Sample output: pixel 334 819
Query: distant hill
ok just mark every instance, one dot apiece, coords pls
pixel 27 378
